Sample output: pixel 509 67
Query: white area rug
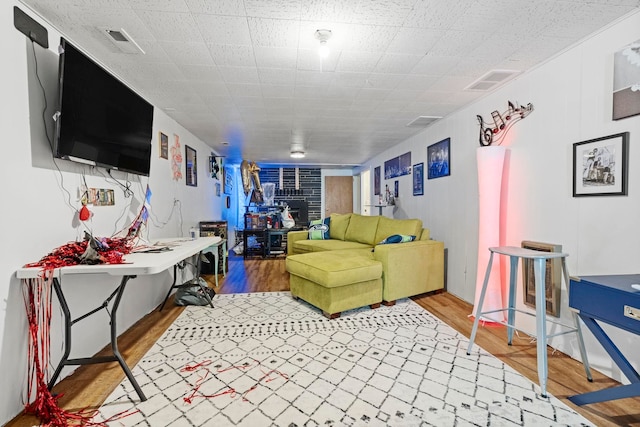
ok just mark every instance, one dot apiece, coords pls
pixel 266 359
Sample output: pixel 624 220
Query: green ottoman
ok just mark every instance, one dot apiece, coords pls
pixel 335 281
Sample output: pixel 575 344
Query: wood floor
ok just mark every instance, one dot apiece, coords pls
pixel 90 385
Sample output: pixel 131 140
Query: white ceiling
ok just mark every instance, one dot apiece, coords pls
pixel 247 72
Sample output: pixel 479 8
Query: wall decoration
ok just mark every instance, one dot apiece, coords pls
pixel 600 166
pixel 502 122
pixel 438 162
pixel 164 145
pixel 398 166
pixel 418 179
pixel 227 184
pixel 626 81
pixel 376 181
pixel 215 164
pixel 218 189
pixel 396 189
pixel 553 277
pixel 176 159
pixel 191 166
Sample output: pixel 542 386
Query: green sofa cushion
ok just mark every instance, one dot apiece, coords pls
pixel 388 227
pixel 362 229
pixel 338 225
pixel 332 270
pixel 305 246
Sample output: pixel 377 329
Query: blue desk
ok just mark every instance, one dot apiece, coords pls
pixel 612 300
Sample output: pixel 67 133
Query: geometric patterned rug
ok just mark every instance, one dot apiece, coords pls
pixel 265 359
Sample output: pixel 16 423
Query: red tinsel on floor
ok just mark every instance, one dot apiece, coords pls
pixel 37 297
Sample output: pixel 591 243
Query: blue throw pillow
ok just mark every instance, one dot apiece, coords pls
pixel 398 238
pixel 319 229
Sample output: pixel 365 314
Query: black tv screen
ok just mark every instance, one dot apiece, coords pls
pixel 101 121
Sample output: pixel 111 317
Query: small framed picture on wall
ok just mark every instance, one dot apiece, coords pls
pixel 418 179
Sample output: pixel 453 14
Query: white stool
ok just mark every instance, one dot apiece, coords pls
pixel 539 263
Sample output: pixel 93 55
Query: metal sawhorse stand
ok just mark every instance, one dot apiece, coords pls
pixel 539 259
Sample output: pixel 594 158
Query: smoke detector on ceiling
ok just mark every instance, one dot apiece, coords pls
pixel 492 79
pixel 123 41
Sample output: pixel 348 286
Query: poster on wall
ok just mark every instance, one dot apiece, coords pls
pixel 164 145
pixel 376 181
pixel 600 166
pixel 438 159
pixel 398 166
pixel 626 81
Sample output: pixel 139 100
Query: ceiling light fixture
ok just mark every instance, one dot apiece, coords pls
pixel 323 36
pixel 297 154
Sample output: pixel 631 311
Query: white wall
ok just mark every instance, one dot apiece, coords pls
pixel 39 216
pixel 571 95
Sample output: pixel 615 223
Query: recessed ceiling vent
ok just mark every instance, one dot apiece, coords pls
pixel 492 79
pixel 423 121
pixel 123 41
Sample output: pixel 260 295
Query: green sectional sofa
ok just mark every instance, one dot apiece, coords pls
pixel 332 274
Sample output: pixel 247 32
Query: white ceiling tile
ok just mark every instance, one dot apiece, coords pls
pixel 397 63
pixel 217 7
pixel 276 57
pixel 328 10
pixel 204 73
pixel 358 61
pixel 232 55
pixel 154 71
pixel 383 81
pixel 458 43
pixel 187 53
pixel 435 64
pixel 170 26
pixel 417 82
pixel 415 41
pixel 372 94
pixel 274 32
pixel 277 91
pixel 314 78
pixel 309 60
pixel 369 38
pixel 239 74
pixel 210 89
pixel 281 9
pixel 161 5
pixel 274 76
pixel 383 12
pixel 437 14
pixel 351 79
pixel 224 30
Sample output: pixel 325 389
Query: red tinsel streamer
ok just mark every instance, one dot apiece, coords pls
pixel 70 254
pixel 37 298
pixel 41 403
pixel 202 366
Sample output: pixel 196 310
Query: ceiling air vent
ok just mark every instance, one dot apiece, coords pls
pixel 123 41
pixel 422 121
pixel 492 79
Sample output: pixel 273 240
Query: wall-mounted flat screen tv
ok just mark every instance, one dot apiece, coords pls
pixel 101 121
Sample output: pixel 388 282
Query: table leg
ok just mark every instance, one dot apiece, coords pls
pixel 114 339
pixel 175 271
pixel 68 322
pixel 480 302
pixel 224 258
pixel 576 322
pixel 67 332
pixel 619 392
pixel 511 316
pixel 539 267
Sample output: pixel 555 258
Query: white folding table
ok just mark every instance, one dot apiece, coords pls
pixel 135 264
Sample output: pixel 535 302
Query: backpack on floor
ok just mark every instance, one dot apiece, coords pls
pixel 194 294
